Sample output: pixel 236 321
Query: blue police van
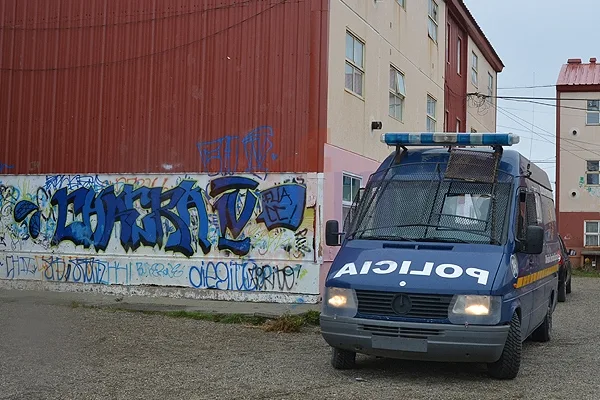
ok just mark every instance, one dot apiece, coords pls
pixel 450 253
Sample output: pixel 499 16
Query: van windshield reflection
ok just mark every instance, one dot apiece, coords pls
pixel 430 210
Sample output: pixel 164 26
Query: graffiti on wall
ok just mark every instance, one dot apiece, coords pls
pixel 238 274
pixel 5 168
pixel 233 232
pixel 232 153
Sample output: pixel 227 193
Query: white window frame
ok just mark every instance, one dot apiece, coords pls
pixel 592 172
pixel 592 110
pixel 586 233
pixel 397 92
pixel 401 3
pixel 345 203
pixel 431 117
pixel 490 87
pixel 474 68
pixel 355 67
pixel 432 20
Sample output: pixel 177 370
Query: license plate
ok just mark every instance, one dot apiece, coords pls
pixel 400 344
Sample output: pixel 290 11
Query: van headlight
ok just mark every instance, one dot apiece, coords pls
pixel 474 309
pixel 339 302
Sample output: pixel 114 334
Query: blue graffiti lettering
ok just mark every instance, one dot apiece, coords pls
pixel 17 266
pixel 72 182
pixel 175 220
pixel 221 156
pixel 229 188
pixel 5 166
pixel 283 206
pixel 108 208
pixel 221 276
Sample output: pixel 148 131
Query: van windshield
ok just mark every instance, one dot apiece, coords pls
pixel 419 204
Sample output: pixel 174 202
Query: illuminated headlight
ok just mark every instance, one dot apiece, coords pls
pixel 472 309
pixel 339 302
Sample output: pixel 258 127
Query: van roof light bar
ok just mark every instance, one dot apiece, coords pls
pixel 449 139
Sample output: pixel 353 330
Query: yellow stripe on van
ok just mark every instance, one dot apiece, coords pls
pixel 536 276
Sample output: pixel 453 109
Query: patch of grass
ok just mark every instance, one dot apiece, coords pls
pixel 312 317
pixel 286 323
pixel 222 318
pixel 586 274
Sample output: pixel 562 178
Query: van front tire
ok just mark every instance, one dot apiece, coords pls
pixel 507 367
pixel 343 359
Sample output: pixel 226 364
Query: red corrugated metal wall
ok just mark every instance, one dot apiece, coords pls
pixel 133 86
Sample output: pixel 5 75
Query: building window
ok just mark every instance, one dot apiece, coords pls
pixel 458 48
pixel 591 233
pixel 350 186
pixel 490 86
pixel 474 62
pixel 433 20
pixel 593 112
pixel 457 125
pixel 431 104
pixel 397 93
pixel 354 64
pixel 402 3
pixel 591 173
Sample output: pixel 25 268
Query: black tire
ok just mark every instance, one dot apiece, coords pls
pixel 507 367
pixel 343 359
pixel 568 290
pixel 562 292
pixel 543 332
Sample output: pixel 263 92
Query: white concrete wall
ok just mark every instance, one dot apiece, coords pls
pixel 481 117
pixel 575 150
pixel 241 237
pixel 392 35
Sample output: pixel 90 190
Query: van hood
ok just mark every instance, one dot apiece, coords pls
pixel 417 267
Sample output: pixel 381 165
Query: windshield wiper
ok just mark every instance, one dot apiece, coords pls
pixel 452 228
pixel 390 238
pixel 443 240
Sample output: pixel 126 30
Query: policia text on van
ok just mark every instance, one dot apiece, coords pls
pixel 449 254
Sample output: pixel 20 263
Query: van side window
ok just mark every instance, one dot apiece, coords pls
pixel 529 213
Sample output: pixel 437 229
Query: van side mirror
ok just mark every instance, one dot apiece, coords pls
pixel 572 252
pixel 332 233
pixel 534 243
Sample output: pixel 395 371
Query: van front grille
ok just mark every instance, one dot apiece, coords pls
pixel 409 333
pixel 424 306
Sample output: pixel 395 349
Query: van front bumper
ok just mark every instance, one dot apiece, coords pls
pixel 415 341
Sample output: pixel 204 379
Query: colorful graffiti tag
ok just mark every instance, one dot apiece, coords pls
pixel 228 232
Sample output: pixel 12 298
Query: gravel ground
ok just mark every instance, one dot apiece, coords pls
pixel 58 352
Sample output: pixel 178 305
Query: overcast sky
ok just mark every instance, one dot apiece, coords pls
pixel 536 37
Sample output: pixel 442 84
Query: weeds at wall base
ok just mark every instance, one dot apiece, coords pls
pixel 286 323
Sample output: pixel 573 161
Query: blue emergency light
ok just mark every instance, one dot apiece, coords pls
pixel 449 139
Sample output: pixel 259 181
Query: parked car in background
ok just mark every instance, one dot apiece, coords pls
pixel 564 272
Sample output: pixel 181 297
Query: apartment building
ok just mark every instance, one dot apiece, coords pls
pixel 578 159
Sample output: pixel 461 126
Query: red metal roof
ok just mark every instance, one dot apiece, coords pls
pixel 574 73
